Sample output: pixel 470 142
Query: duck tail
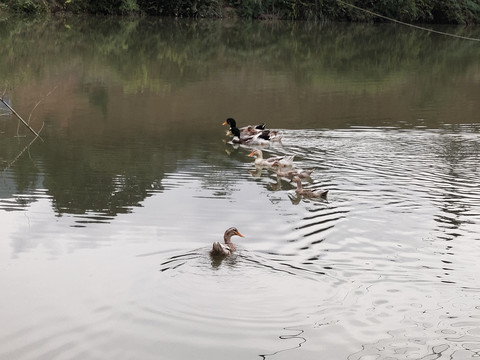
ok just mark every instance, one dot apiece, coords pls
pixel 219 249
pixel 277 138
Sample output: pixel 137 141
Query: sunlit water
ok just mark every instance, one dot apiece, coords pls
pixel 106 238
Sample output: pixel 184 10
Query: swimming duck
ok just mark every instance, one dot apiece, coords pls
pixel 290 174
pixel 260 138
pixel 257 132
pixel 249 129
pixel 227 248
pixel 286 160
pixel 307 192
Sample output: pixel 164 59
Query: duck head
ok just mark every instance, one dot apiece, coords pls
pixel 256 154
pixel 231 232
pixel 231 122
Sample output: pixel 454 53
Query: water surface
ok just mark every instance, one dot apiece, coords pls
pixel 107 220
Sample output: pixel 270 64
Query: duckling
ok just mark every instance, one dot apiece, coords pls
pixel 289 174
pixel 227 248
pixel 286 160
pixel 307 192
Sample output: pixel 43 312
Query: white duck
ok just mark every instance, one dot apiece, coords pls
pixel 227 248
pixel 286 160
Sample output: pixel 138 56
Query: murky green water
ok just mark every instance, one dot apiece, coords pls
pixel 106 222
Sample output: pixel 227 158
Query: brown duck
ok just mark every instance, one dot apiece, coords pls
pixel 307 192
pixel 227 248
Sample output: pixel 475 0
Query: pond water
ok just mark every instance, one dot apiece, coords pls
pixel 106 222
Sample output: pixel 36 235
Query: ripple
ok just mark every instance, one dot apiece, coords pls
pixel 429 333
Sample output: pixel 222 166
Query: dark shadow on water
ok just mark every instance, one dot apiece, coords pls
pixel 219 260
pixel 296 336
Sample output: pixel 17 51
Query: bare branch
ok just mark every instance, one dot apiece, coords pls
pixel 38 103
pixel 9 165
pixel 21 119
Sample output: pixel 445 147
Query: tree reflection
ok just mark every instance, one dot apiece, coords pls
pixel 129 108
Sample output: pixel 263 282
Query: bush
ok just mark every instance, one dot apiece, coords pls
pixel 438 11
pixel 28 6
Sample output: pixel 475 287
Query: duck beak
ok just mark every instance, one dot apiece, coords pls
pixel 224 123
pixel 240 234
pixel 251 154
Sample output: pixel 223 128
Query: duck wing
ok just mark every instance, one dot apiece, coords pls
pixel 286 160
pixel 220 249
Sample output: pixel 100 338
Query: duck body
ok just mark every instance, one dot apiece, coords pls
pixel 307 192
pixel 241 138
pixel 226 249
pixel 248 130
pixel 286 160
pixel 253 134
pixel 290 174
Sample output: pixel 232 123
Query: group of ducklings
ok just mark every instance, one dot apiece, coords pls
pixel 253 135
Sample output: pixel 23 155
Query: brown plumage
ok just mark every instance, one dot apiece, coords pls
pixel 307 192
pixel 290 174
pixel 286 160
pixel 227 248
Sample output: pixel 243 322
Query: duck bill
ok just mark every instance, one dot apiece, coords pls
pixel 251 154
pixel 240 234
pixel 224 123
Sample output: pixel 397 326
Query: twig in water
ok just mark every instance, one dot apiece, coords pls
pixel 9 165
pixel 21 119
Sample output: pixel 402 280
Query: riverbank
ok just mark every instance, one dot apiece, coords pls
pixel 413 11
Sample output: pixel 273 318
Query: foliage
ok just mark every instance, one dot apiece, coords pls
pixel 457 11
pixel 435 11
pixel 27 6
pixel 105 7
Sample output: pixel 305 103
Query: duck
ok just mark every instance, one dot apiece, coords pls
pixel 307 192
pixel 260 138
pixel 290 174
pixel 259 133
pixel 228 248
pixel 286 160
pixel 249 129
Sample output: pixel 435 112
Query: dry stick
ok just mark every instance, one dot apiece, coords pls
pixel 9 165
pixel 23 121
pixel 38 103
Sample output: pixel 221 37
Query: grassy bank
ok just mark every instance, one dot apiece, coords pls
pixel 426 11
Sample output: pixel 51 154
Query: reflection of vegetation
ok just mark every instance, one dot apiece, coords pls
pixel 175 50
pixel 82 178
pixel 101 156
